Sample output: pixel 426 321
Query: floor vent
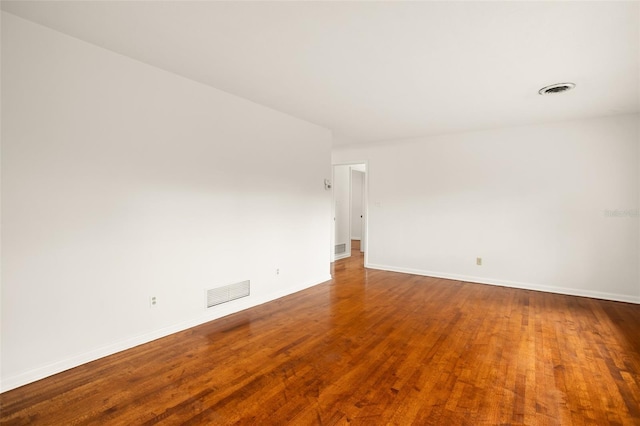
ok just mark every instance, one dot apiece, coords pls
pixel 216 296
pixel 341 248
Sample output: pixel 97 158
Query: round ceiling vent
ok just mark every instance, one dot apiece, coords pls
pixel 556 88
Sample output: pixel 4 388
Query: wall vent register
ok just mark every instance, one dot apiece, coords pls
pixel 216 296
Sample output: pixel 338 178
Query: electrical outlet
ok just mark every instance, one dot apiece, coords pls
pixel 479 261
pixel 153 302
pixel 278 271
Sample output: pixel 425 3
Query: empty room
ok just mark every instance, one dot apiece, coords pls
pixel 320 213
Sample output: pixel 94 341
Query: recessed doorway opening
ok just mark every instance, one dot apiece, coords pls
pixel 349 210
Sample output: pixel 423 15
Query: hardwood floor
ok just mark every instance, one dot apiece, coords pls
pixel 367 348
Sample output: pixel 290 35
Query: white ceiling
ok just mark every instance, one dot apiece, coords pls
pixel 374 71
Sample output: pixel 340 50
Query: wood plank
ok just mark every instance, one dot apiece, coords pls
pixel 368 347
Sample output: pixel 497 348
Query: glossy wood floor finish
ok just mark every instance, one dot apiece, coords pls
pixel 368 348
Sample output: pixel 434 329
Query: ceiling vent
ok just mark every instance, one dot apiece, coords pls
pixel 556 88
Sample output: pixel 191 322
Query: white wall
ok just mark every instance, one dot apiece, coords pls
pixel 531 201
pixel 121 181
pixel 341 195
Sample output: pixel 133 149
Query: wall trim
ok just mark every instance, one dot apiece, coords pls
pixel 211 314
pixel 513 284
pixel 343 256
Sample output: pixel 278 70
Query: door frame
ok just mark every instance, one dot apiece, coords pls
pixel 354 170
pixel 364 242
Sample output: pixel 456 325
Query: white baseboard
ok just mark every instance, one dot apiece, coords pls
pixel 343 256
pixel 525 286
pixel 42 372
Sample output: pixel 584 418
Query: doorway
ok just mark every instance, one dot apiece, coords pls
pixel 349 210
pixel 357 207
